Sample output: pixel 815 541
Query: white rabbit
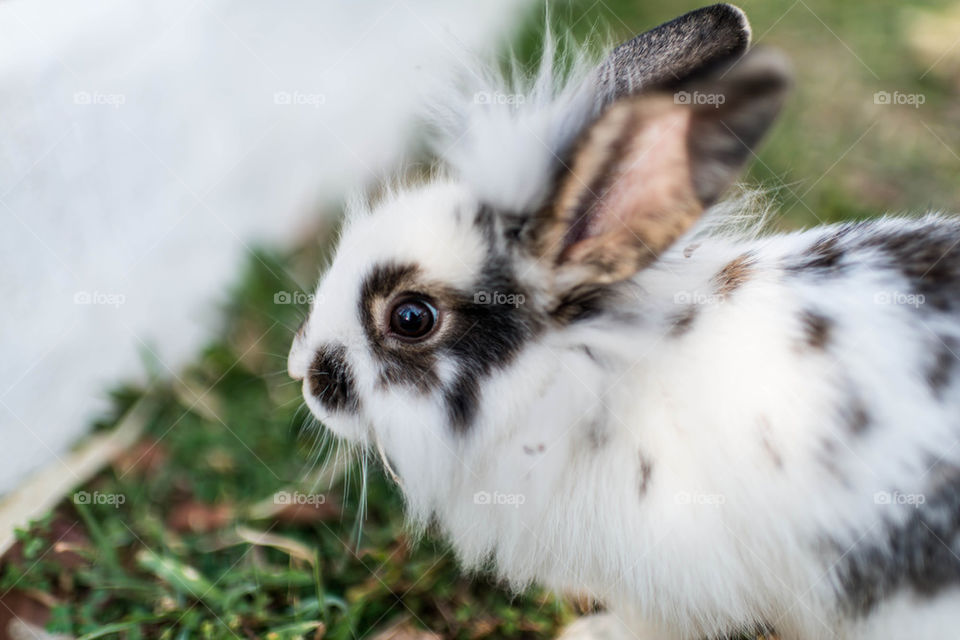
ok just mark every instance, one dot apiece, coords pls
pixel 584 384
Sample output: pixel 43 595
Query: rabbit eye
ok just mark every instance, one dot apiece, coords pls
pixel 413 318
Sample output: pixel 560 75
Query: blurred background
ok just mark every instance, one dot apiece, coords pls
pixel 170 180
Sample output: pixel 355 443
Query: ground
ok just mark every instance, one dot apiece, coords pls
pixel 187 536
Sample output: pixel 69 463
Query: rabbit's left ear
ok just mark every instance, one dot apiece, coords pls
pixel 642 174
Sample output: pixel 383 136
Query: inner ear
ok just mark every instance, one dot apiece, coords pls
pixel 642 174
pixel 629 191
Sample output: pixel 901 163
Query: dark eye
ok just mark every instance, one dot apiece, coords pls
pixel 413 318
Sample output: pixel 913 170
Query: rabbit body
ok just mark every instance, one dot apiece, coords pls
pixel 587 383
pixel 765 434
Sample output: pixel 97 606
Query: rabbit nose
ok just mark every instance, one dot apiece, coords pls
pixel 331 380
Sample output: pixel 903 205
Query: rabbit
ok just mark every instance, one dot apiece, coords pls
pixel 583 369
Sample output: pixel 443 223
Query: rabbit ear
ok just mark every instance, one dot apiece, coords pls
pixel 642 174
pixel 674 52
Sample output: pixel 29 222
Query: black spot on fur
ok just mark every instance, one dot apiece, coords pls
pixel 487 334
pixel 681 323
pixel 816 329
pixel 587 351
pixel 645 471
pixel 823 257
pixel 514 226
pixel 461 400
pixel 487 338
pixel 331 379
pixel 919 553
pixel 755 631
pixel 856 415
pixel 928 256
pixel 945 361
pixel 381 282
pixel 485 221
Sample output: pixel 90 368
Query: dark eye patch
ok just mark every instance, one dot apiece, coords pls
pixel 483 330
pixel 415 366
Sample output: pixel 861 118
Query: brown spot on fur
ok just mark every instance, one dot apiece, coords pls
pixel 580 303
pixel 540 448
pixel 817 329
pixel 732 276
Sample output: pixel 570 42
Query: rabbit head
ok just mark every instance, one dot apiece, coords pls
pixel 427 330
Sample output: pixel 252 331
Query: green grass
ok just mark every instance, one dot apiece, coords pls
pixel 184 555
pixel 140 570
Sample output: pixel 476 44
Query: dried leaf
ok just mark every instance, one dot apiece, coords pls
pixel 143 459
pixel 17 605
pixel 295 507
pixel 403 630
pixel 199 517
pixel 293 548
